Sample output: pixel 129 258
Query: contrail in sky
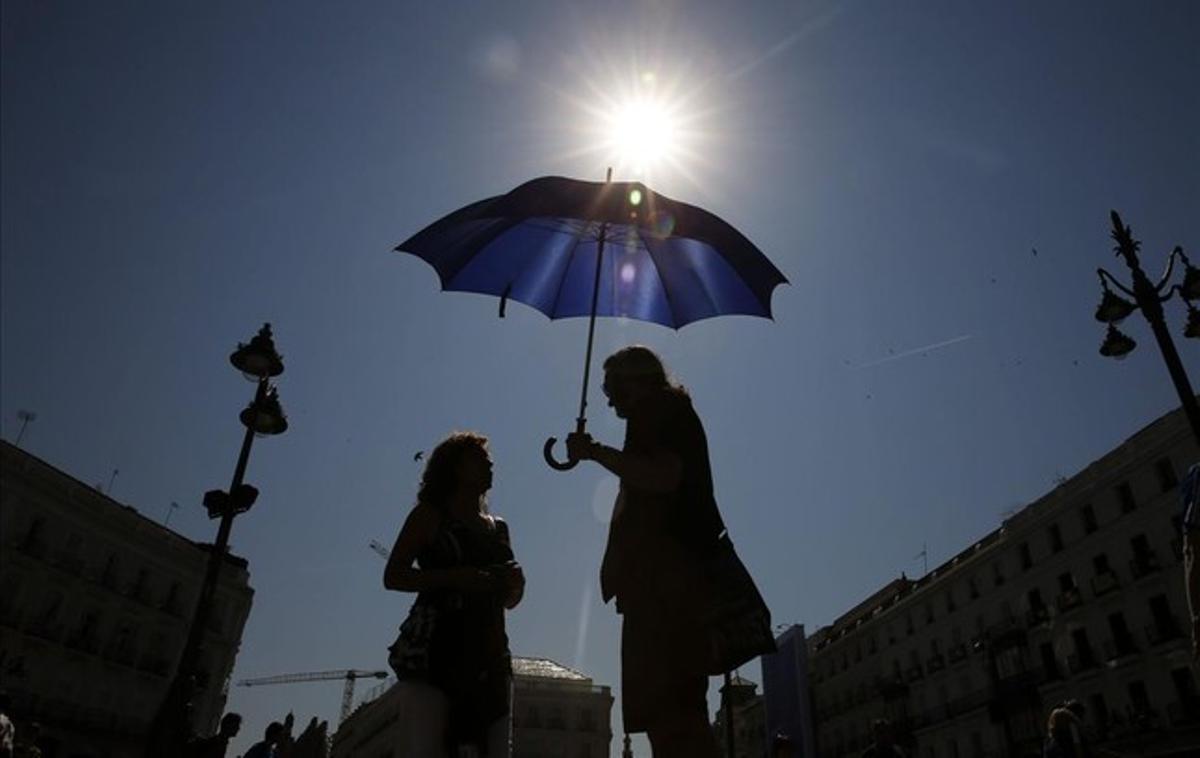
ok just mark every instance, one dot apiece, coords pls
pixel 917 350
pixel 585 609
pixel 816 24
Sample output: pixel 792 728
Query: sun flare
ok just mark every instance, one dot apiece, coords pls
pixel 642 134
pixel 642 124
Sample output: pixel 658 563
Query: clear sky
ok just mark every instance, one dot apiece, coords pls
pixel 175 174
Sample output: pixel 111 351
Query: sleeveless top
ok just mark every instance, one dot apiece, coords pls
pixel 469 658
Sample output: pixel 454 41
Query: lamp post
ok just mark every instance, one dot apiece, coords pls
pixel 1149 299
pixel 259 362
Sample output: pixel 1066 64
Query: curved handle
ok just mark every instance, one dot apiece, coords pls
pixel 548 454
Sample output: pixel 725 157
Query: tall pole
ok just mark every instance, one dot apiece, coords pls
pixel 172 724
pixel 1150 302
pixel 727 706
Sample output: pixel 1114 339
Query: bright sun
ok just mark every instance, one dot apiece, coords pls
pixel 643 133
pixel 642 125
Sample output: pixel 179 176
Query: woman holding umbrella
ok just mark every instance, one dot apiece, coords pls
pixel 664 519
pixel 452 653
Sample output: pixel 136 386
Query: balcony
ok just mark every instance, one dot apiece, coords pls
pixel 1078 663
pixel 156 665
pixel 32 546
pixel 1119 648
pixel 46 630
pixel 935 663
pixel 1163 630
pixel 957 653
pixel 1037 615
pixel 83 642
pixel 914 673
pixel 70 563
pixel 1104 583
pixel 1144 564
pixel 1184 713
pixel 893 689
pixel 123 656
pixel 1069 600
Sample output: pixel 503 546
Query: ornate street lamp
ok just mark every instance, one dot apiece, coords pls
pixel 259 362
pixel 1149 298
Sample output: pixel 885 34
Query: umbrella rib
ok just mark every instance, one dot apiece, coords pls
pixel 566 273
pixel 662 278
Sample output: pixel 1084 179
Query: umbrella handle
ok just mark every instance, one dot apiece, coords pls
pixel 548 454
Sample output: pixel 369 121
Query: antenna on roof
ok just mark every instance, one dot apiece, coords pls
pixel 25 417
pixel 924 555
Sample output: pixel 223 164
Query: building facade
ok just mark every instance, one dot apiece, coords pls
pixel 786 692
pixel 557 713
pixel 746 711
pixel 94 605
pixel 1077 596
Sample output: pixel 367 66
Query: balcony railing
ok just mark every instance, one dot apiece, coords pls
pixel 85 643
pixel 70 563
pixel 1144 564
pixel 957 653
pixel 1119 648
pixel 1037 615
pixel 1184 712
pixel 1069 599
pixel 1078 663
pixel 1163 630
pixel 1104 583
pixel 32 547
pixel 914 673
pixel 46 630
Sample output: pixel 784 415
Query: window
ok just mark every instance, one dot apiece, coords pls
pixel 1056 540
pixel 1049 661
pixel 1138 697
pixel 950 607
pixel 1084 659
pixel 32 542
pixel 972 588
pixel 1098 709
pixel 108 577
pixel 1034 598
pixel 928 613
pixel 1026 557
pixel 1100 564
pixel 1066 582
pixel 1166 475
pixel 1088 515
pixel 1122 640
pixel 1125 497
pixel 997 574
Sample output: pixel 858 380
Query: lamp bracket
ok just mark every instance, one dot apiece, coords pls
pixel 1103 274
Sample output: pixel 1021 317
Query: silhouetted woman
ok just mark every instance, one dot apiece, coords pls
pixel 452 654
pixel 664 519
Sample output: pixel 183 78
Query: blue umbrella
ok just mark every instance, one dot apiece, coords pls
pixel 544 244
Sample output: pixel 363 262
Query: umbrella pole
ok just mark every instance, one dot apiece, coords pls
pixel 581 419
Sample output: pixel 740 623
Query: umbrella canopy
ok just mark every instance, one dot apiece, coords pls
pixel 661 260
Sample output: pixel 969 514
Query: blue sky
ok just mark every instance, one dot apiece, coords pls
pixel 173 175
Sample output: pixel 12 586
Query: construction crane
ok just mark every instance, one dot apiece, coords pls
pixel 350 675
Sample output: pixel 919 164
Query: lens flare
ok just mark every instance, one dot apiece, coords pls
pixel 643 132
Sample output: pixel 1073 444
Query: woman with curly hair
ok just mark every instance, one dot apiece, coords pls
pixel 452 655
